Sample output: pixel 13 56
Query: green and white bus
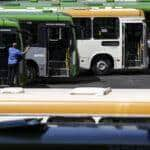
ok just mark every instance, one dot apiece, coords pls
pixel 53 51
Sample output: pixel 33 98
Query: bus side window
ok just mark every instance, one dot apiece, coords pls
pixel 83 28
pixel 32 29
pixel 54 33
pixel 106 28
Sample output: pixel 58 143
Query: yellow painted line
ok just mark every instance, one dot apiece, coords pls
pixel 104 108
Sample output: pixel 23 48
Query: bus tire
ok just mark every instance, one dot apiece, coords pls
pixel 102 66
pixel 31 73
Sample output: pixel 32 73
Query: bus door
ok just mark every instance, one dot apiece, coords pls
pixel 7 37
pixel 133 36
pixel 59 50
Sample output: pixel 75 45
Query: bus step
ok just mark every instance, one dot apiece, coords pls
pixel 57 64
pixel 59 72
pixel 134 62
pixel 60 76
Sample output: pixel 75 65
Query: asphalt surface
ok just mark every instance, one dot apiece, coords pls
pixel 134 79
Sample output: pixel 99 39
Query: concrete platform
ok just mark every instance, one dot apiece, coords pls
pixel 119 102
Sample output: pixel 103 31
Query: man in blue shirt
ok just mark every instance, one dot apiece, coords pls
pixel 13 63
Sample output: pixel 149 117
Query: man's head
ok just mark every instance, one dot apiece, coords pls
pixel 14 45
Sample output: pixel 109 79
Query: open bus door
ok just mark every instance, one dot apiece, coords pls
pixel 7 37
pixel 133 45
pixel 10 32
pixel 58 46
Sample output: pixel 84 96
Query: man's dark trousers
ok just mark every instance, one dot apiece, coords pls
pixel 13 72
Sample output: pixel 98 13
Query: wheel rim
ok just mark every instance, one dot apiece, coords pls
pixel 101 65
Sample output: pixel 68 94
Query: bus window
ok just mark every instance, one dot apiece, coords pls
pixel 83 28
pixel 55 34
pixel 59 42
pixel 106 28
pixel 32 29
pixel 8 36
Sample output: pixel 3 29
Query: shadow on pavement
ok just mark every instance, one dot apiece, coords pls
pixel 118 79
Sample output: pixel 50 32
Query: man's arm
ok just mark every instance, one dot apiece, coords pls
pixel 26 50
pixel 19 53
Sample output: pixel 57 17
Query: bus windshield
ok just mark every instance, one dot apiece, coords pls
pixel 8 36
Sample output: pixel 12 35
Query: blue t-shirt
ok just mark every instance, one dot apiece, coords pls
pixel 13 54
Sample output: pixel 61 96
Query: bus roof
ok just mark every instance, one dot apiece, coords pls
pixel 8 23
pixel 140 4
pixel 119 102
pixel 36 16
pixel 104 12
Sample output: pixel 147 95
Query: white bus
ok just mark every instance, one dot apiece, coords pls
pixel 110 39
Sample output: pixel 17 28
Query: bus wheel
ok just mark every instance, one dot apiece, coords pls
pixel 102 66
pixel 31 73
